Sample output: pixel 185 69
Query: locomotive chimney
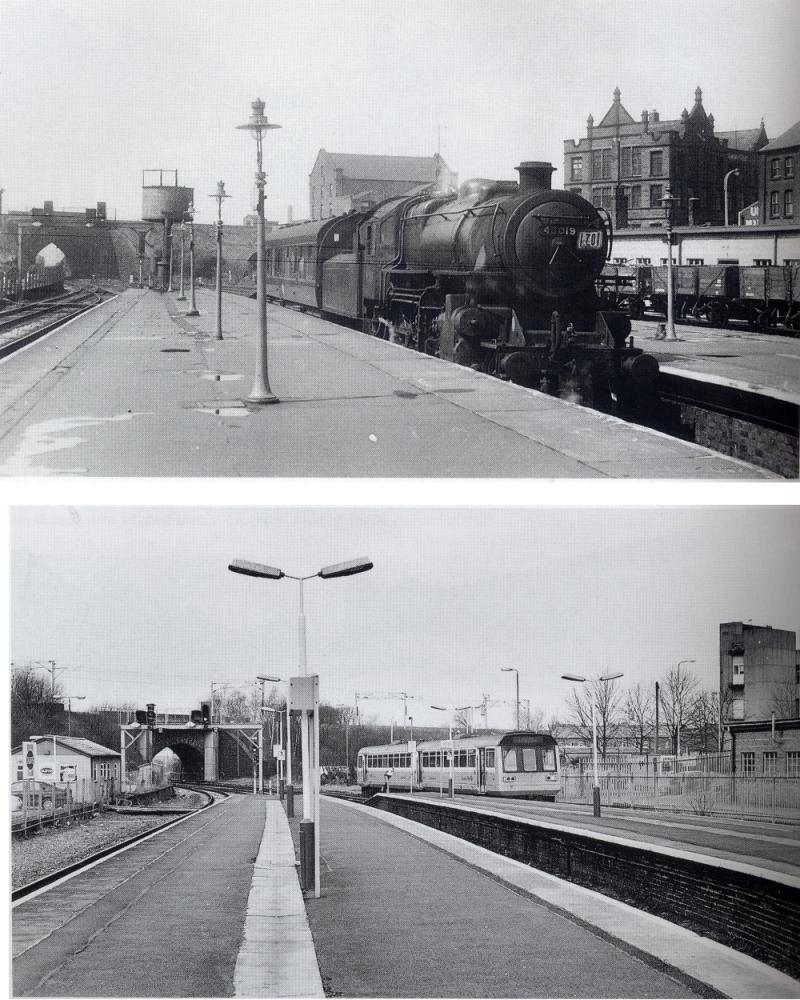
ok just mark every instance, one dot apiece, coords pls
pixel 534 176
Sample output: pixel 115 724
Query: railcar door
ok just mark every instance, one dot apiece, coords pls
pixel 482 770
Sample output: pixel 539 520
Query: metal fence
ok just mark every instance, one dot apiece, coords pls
pixel 38 803
pixel 706 794
pixel 147 778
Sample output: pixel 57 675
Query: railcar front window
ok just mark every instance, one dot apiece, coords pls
pixel 510 760
pixel 528 759
pixel 548 759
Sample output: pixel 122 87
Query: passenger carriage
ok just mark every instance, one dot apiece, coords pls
pixel 513 764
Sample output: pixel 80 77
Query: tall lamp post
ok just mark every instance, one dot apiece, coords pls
pixel 220 196
pixel 262 679
pixel 69 698
pixel 182 293
pixel 678 719
pixel 309 829
pixel 731 173
pixel 596 780
pixel 507 670
pixel 192 310
pixel 257 125
pixel 668 201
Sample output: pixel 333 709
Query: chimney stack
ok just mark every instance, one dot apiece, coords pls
pixel 535 176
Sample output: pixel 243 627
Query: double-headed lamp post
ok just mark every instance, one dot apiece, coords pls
pixel 731 173
pixel 677 720
pixel 69 698
pixel 310 826
pixel 220 196
pixel 507 670
pixel 257 125
pixel 452 711
pixel 596 780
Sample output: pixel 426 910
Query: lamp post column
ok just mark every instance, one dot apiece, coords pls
pixel 220 196
pixel 730 173
pixel 19 264
pixel 596 782
pixel 181 294
pixel 192 310
pixel 669 200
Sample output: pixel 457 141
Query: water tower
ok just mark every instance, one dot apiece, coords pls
pixel 164 202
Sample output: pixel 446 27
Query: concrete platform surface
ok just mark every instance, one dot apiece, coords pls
pixel 409 911
pixel 136 388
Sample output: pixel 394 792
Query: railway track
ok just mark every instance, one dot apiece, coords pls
pixel 22 325
pixel 23 891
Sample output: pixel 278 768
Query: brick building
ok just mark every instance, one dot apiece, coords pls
pixel 763 749
pixel 627 166
pixel 340 182
pixel 780 165
pixel 759 672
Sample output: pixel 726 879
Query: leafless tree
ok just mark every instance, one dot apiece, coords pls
pixel 784 701
pixel 35 705
pixel 639 707
pixel 677 694
pixel 608 699
pixel 703 720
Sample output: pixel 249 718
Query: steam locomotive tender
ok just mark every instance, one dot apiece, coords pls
pixel 500 277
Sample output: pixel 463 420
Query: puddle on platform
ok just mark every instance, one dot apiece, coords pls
pixel 175 350
pixel 41 439
pixel 220 376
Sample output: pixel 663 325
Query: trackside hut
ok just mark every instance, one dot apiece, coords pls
pixel 66 758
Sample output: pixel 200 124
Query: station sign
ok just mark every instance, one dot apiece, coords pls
pixel 304 693
pixel 28 759
pixel 278 753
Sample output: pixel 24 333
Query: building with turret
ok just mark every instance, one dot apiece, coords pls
pixel 627 166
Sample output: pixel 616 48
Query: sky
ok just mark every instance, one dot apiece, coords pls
pixel 95 92
pixel 139 606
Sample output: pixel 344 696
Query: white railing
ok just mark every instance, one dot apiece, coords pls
pixel 703 794
pixel 147 778
pixel 37 802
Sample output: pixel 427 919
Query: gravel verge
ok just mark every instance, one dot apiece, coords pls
pixel 55 847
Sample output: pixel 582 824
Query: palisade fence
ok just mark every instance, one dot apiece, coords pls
pixel 146 778
pixel 702 793
pixel 39 803
pixel 37 279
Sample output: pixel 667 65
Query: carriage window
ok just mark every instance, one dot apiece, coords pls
pixel 510 759
pixel 549 759
pixel 529 759
pixel 470 758
pixel 490 757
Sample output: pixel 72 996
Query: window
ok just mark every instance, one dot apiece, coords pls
pixel 643 260
pixel 774 205
pixel 510 759
pixel 576 168
pixel 656 163
pixel 631 161
pixel 601 163
pixel 748 762
pixel 635 196
pixel 370 240
pixel 770 763
pixel 762 262
pixel 656 195
pixel 793 764
pixel 788 204
pixel 549 759
pixel 490 756
pixel 775 168
pixel 737 678
pixel 788 166
pixel 695 260
pixel 603 197
pixel 528 758
pixel 737 708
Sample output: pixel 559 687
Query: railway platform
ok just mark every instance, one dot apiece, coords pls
pixel 136 388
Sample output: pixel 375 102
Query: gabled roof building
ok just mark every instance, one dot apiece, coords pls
pixel 627 166
pixel 780 167
pixel 342 182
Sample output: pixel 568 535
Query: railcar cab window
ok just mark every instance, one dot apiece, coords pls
pixel 549 759
pixel 510 759
pixel 370 240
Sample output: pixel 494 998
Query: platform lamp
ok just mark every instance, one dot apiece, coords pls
pixel 69 698
pixel 309 827
pixel 668 201
pixel 192 310
pixel 508 670
pixel 596 781
pixel 220 196
pixel 182 294
pixel 257 125
pixel 450 780
pixel 262 680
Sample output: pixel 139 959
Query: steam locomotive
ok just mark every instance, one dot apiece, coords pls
pixel 499 276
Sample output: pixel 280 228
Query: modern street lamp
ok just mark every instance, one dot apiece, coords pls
pixel 731 173
pixel 192 310
pixel 220 196
pixel 262 680
pixel 442 708
pixel 596 781
pixel 69 698
pixel 310 791
pixel 20 282
pixel 507 670
pixel 257 125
